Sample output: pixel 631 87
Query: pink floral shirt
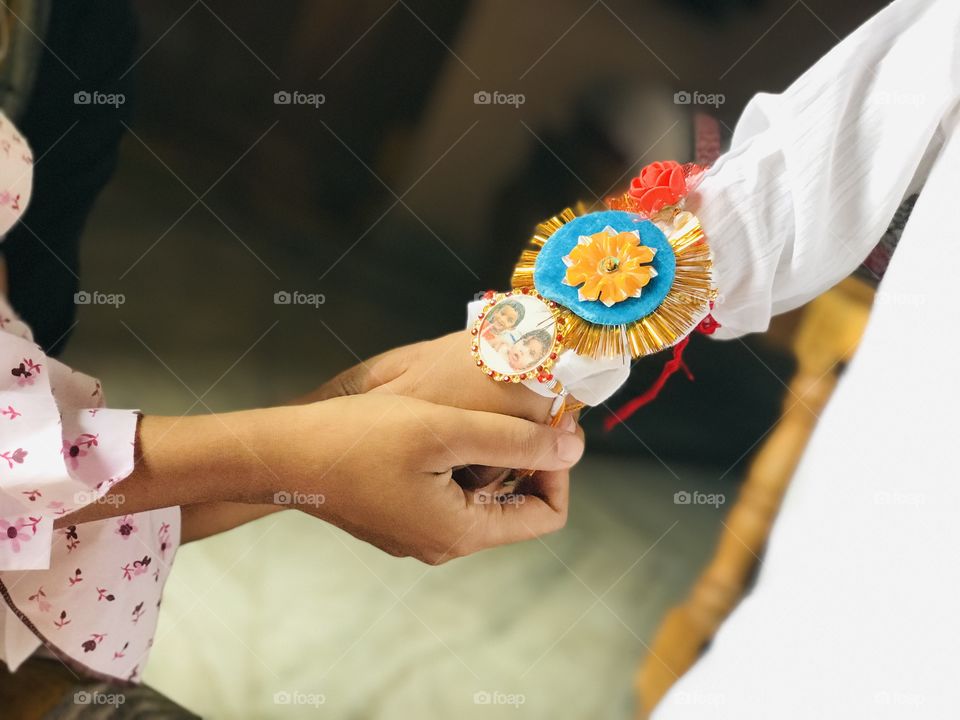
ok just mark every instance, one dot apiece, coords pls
pixel 90 593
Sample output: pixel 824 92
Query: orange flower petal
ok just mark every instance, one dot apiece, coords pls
pixel 631 275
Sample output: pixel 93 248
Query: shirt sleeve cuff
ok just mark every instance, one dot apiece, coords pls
pixel 74 461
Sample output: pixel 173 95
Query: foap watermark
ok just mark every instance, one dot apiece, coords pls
pixel 695 97
pixel 95 97
pixel 699 698
pixel 295 297
pixel 95 697
pixel 91 498
pixel 300 499
pixel 496 697
pixel 682 497
pixel 86 297
pixel 896 498
pixel 296 697
pixel 485 97
pixel 899 698
pixel 900 299
pixel 498 498
pixel 296 97
pixel 695 301
pixel 905 98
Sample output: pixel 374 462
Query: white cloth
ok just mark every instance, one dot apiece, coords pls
pixel 854 613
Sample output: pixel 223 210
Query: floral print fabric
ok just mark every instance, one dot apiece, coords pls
pixel 89 592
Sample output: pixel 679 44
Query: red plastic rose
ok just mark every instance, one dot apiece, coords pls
pixel 659 184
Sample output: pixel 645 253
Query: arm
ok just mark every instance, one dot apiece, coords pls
pixel 377 466
pixel 810 184
pixel 815 174
pixel 439 370
pixel 186 461
pixel 202 520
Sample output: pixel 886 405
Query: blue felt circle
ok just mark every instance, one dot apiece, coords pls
pixel 549 270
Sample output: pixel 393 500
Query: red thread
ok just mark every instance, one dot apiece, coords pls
pixel 707 326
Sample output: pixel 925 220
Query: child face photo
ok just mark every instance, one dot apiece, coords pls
pixel 506 317
pixel 517 334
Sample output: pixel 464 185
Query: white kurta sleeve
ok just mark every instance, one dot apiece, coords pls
pixel 815 174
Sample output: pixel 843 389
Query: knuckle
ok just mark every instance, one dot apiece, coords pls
pixel 433 557
pixel 396 552
pixel 447 547
pixel 527 441
pixel 348 382
pixel 458 550
pixel 559 521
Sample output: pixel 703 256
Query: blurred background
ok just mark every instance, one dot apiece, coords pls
pixel 392 157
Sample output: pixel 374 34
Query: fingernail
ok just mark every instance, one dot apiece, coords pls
pixel 567 423
pixel 569 447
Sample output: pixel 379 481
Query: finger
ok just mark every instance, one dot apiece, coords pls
pixel 540 508
pixel 551 487
pixel 467 437
pixel 363 377
pixel 473 477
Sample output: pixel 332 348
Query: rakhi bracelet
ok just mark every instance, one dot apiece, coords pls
pixel 625 281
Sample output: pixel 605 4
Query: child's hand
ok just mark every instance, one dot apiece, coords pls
pixel 443 371
pixel 440 371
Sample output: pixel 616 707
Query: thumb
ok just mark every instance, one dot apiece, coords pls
pixel 470 437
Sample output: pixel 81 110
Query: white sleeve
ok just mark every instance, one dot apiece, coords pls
pixel 814 175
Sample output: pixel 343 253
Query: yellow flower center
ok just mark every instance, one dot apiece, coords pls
pixel 609 264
